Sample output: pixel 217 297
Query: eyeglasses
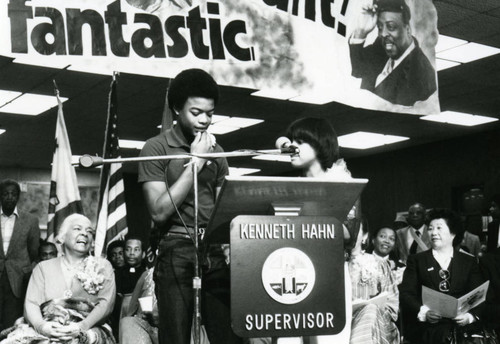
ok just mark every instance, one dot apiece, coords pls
pixel 444 285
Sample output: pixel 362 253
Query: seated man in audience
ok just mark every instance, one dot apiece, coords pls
pixel 47 250
pixel 126 278
pixel 414 238
pixel 114 253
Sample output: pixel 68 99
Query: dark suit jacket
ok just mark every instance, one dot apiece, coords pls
pixel 402 239
pixel 423 270
pixel 22 252
pixel 412 80
pixel 492 235
pixel 490 266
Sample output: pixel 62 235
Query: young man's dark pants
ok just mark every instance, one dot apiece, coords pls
pixel 174 289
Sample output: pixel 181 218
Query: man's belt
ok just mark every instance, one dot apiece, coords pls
pixel 185 230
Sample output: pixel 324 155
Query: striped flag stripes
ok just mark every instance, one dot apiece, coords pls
pixel 112 218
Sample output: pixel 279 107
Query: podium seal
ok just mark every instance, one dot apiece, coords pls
pixel 288 275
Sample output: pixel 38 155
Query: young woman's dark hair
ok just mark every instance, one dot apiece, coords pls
pixel 191 83
pixel 453 221
pixel 319 133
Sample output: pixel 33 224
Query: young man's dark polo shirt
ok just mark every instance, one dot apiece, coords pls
pixel 173 142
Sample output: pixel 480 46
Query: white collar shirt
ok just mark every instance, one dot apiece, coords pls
pixel 7 224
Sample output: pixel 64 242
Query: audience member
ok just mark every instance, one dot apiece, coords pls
pixel 413 238
pixel 383 246
pixel 19 241
pixel 126 278
pixel 372 279
pixel 443 269
pixel 47 250
pixel 192 97
pixel 69 297
pixel 128 275
pixel 114 253
pixel 493 240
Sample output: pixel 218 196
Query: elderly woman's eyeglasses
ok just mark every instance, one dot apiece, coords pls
pixel 444 285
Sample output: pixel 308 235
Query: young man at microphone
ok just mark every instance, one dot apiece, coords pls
pixel 168 191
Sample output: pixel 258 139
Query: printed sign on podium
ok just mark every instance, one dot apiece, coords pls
pixel 288 273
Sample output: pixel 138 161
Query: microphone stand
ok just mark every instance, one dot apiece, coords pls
pixel 87 161
pixel 197 272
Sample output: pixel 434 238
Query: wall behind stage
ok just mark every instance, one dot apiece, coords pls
pixel 429 173
pixel 35 200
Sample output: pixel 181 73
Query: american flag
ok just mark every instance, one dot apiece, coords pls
pixel 64 197
pixel 112 217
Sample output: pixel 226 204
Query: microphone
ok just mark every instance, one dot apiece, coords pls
pixel 88 161
pixel 284 144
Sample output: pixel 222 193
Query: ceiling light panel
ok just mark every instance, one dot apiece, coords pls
pixel 31 104
pixel 447 42
pixel 131 144
pixel 468 52
pixel 241 171
pixel 459 118
pixel 445 64
pixel 7 96
pixel 366 140
pixel 224 124
pixel 219 129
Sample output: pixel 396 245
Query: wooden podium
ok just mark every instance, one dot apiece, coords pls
pixel 287 256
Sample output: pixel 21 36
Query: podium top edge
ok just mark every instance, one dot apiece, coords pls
pixel 298 179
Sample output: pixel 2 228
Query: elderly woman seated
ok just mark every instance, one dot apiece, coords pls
pixel 444 269
pixel 69 297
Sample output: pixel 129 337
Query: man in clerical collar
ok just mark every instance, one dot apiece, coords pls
pixel 393 67
pixel 414 238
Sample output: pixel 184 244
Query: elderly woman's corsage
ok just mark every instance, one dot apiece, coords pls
pixel 90 274
pixel 365 275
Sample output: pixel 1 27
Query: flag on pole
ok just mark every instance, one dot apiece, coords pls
pixel 64 197
pixel 112 218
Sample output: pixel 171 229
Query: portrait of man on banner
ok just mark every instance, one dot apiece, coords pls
pixel 393 67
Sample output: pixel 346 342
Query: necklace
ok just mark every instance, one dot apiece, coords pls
pixel 69 271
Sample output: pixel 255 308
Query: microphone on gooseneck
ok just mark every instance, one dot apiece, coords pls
pixel 284 144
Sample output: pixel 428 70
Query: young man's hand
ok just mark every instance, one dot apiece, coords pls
pixel 202 143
